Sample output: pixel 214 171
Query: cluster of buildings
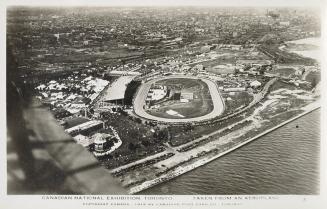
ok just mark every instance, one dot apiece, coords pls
pixel 233 58
pixel 93 134
pixel 186 95
pixel 156 93
pixel 159 92
pixel 52 34
pixel 96 39
pixel 73 93
pixel 239 83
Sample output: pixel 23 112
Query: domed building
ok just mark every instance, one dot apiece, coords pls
pixel 105 143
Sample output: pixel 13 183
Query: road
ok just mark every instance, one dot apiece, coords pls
pixel 218 104
pixel 178 154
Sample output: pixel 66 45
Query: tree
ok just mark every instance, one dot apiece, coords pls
pixel 131 146
pixel 161 134
pixel 138 120
pixel 145 143
pixel 188 127
pixel 91 110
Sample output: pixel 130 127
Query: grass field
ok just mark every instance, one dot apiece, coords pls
pixel 200 105
pixel 284 71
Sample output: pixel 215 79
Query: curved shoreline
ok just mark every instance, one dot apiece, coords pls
pixel 181 170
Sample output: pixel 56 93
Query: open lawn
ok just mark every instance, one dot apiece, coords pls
pixel 138 140
pixel 285 72
pixel 200 94
pixel 200 105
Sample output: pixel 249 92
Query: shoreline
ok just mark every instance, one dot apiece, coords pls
pixel 181 170
pixel 313 54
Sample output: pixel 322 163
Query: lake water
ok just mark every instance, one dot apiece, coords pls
pixel 285 161
pixel 312 53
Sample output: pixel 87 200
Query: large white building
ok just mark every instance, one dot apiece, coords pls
pixel 186 96
pixel 156 93
pixel 255 84
pixel 116 91
pixel 85 128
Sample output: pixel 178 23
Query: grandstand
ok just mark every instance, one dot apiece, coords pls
pixel 116 92
pixel 123 73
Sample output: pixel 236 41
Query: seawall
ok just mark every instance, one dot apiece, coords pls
pixel 181 170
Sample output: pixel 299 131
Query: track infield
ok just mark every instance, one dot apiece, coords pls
pixel 207 104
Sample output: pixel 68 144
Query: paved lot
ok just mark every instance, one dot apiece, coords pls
pixel 218 104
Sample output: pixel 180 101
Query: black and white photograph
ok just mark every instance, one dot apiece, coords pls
pixel 209 101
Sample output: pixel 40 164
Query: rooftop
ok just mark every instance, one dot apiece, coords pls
pixel 84 126
pixel 75 122
pixel 117 89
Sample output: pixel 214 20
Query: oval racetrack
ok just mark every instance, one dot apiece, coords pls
pixel 218 104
